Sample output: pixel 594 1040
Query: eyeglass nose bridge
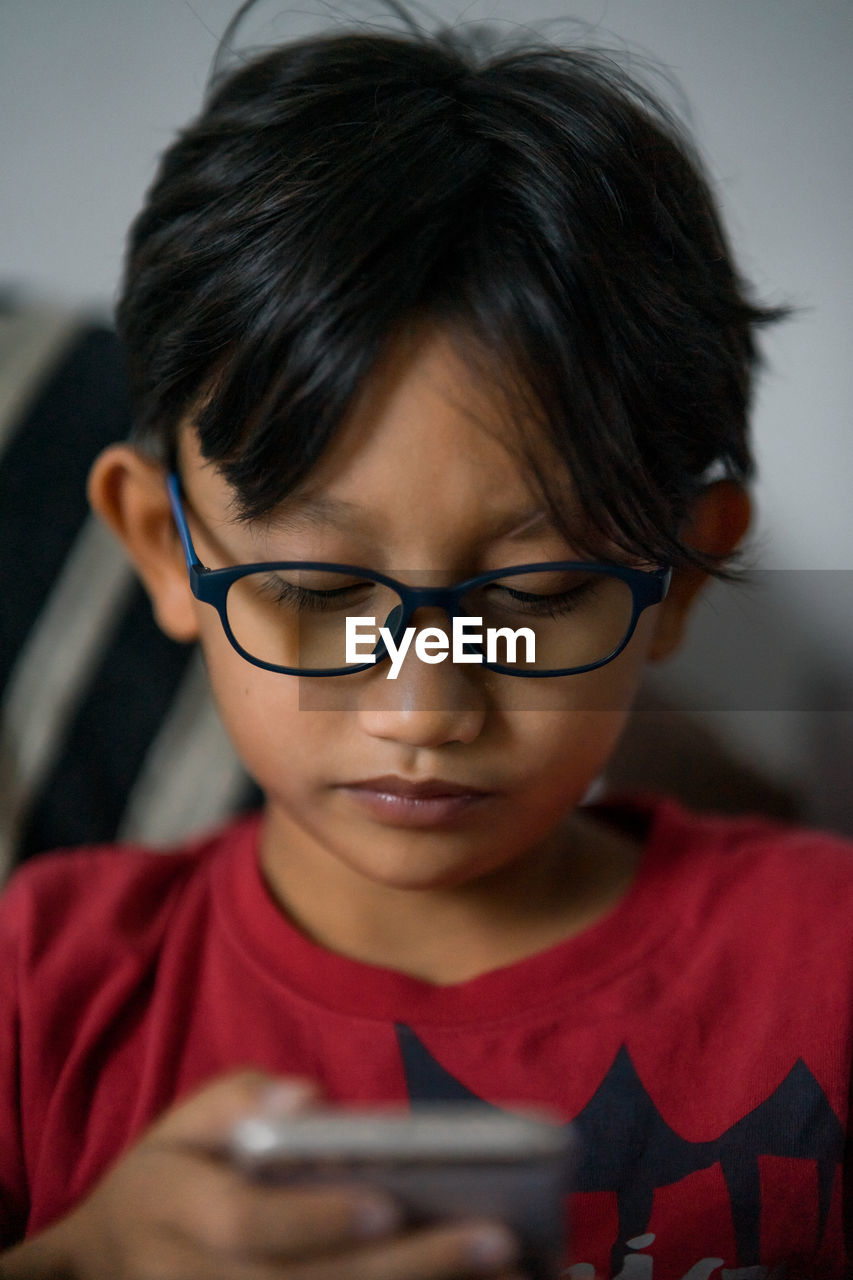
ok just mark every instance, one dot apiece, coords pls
pixel 412 600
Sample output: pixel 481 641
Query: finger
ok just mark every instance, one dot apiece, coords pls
pixel 460 1252
pixel 207 1116
pixel 220 1210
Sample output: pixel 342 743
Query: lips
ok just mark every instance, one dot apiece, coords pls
pixel 431 789
pixel 405 802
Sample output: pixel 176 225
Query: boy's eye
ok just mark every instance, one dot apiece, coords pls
pixel 550 594
pixel 315 591
pixel 297 618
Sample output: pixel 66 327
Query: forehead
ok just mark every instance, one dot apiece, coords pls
pixel 428 424
pixel 428 439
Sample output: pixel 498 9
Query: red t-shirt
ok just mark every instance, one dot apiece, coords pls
pixel 699 1035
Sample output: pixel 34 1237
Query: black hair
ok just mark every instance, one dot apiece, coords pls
pixel 537 202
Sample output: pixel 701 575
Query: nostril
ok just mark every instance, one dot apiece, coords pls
pixel 418 726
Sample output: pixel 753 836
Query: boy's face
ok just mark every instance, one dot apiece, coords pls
pixel 421 478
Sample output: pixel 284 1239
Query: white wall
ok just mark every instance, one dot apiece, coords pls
pixel 92 90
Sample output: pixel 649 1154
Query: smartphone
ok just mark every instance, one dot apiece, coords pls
pixel 440 1161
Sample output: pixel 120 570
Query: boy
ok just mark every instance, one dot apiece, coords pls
pixel 403 317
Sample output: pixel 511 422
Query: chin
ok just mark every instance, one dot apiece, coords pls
pixel 423 869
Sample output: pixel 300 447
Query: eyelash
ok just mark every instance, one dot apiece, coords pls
pixel 557 605
pixel 304 598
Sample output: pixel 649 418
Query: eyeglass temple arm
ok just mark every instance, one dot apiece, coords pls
pixel 173 488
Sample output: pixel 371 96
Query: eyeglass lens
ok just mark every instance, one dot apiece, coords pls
pixel 298 618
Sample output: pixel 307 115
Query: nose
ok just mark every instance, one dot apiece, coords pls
pixel 428 705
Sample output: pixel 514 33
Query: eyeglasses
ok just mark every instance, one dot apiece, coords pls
pixel 300 617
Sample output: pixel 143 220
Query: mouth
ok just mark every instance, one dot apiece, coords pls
pixel 408 803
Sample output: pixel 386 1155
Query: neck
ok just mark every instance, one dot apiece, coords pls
pixel 450 934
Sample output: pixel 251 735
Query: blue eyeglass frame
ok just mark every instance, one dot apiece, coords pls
pixel 210 586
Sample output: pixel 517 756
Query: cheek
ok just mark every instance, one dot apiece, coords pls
pixel 261 713
pixel 564 751
pixel 601 696
pixel 570 726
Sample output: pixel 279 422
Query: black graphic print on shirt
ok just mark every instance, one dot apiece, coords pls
pixel 627 1148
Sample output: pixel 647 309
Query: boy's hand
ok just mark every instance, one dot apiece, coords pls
pixel 173 1209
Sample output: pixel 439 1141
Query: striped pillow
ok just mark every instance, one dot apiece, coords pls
pixel 106 727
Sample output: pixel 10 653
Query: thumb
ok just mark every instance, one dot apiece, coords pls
pixel 208 1115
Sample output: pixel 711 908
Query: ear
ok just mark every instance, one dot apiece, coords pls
pixel 128 492
pixel 718 520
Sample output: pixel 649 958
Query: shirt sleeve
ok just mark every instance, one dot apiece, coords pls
pixel 14 1197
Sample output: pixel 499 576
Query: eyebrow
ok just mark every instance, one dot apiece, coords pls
pixel 318 513
pixel 348 517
